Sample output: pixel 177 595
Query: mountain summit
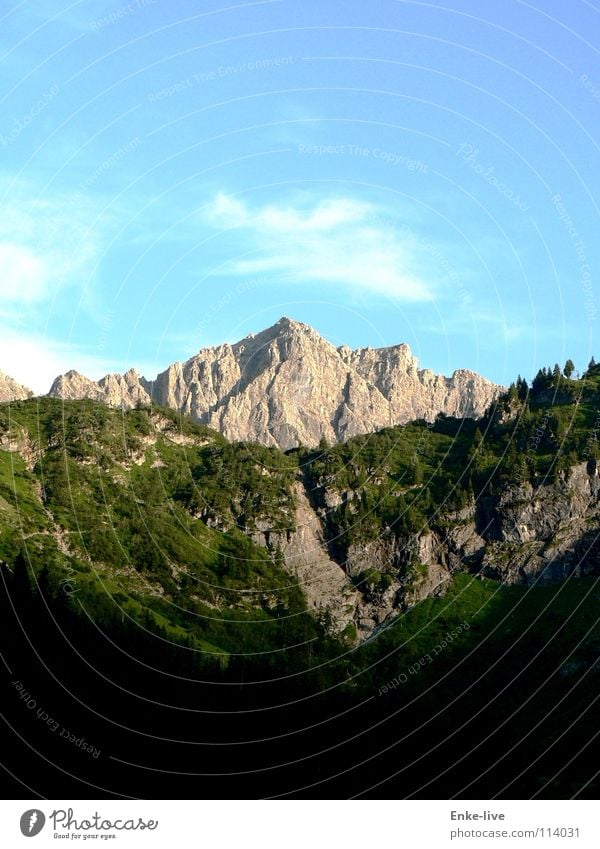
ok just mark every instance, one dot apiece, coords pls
pixel 287 385
pixel 10 390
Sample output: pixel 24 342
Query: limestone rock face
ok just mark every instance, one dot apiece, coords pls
pixel 74 386
pixel 526 534
pixel 328 586
pixel 288 386
pixel 10 390
pixel 116 390
pixel 329 592
pixel 545 533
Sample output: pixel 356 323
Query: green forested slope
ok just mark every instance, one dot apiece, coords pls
pixel 146 515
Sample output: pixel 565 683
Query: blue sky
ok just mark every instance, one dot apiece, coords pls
pixel 173 176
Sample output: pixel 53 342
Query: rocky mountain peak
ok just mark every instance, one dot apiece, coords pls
pixel 286 332
pixel 286 323
pixel 287 385
pixel 11 390
pixel 117 390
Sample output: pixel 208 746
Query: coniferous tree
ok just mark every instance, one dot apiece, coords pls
pixel 418 472
pixel 21 584
pixel 522 388
pixel 540 381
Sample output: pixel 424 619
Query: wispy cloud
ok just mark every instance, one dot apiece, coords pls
pixel 489 325
pixel 337 240
pixel 46 245
pixel 23 275
pixel 49 248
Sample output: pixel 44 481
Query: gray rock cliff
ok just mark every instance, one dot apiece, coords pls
pixel 117 390
pixel 288 386
pixel 10 390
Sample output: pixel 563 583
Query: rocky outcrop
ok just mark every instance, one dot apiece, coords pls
pixel 117 390
pixel 18 441
pixel 329 593
pixel 74 386
pixel 288 386
pixel 334 592
pixel 414 393
pixel 10 390
pixel 544 533
pixel 525 535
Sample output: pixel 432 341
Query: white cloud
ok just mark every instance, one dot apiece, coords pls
pixel 36 360
pixel 338 241
pixel 46 245
pixel 23 276
pixel 49 248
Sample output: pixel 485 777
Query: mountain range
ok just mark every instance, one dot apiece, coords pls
pixel 424 566
pixel 288 386
pixel 364 528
